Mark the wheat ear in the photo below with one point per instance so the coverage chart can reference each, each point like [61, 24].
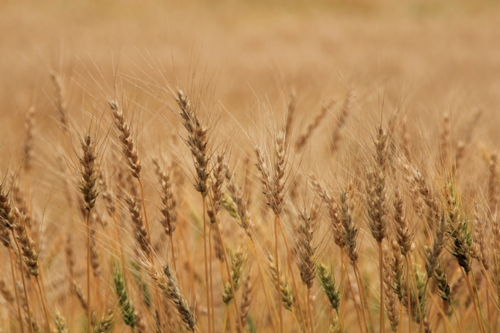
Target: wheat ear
[88, 187]
[8, 220]
[197, 143]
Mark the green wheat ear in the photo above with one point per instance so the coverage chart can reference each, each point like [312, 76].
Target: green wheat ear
[252, 326]
[237, 266]
[127, 309]
[143, 287]
[460, 235]
[105, 324]
[229, 205]
[442, 283]
[327, 282]
[61, 324]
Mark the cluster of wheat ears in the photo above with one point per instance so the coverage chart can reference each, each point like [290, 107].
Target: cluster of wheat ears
[216, 238]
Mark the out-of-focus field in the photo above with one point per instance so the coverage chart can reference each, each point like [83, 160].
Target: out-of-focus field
[427, 72]
[424, 58]
[437, 54]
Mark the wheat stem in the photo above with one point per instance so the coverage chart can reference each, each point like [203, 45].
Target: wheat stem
[172, 249]
[308, 303]
[341, 322]
[417, 296]
[231, 282]
[456, 317]
[224, 322]
[45, 311]
[381, 268]
[443, 315]
[363, 298]
[143, 199]
[473, 296]
[278, 285]
[359, 307]
[89, 310]
[408, 296]
[210, 275]
[116, 220]
[205, 253]
[296, 321]
[343, 273]
[303, 312]
[476, 293]
[267, 293]
[24, 282]
[12, 268]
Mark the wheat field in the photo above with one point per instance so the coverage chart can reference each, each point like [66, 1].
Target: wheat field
[249, 166]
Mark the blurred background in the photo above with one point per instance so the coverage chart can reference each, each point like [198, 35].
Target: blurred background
[435, 56]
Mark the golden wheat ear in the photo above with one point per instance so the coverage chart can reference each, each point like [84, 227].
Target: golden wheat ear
[311, 127]
[88, 187]
[170, 289]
